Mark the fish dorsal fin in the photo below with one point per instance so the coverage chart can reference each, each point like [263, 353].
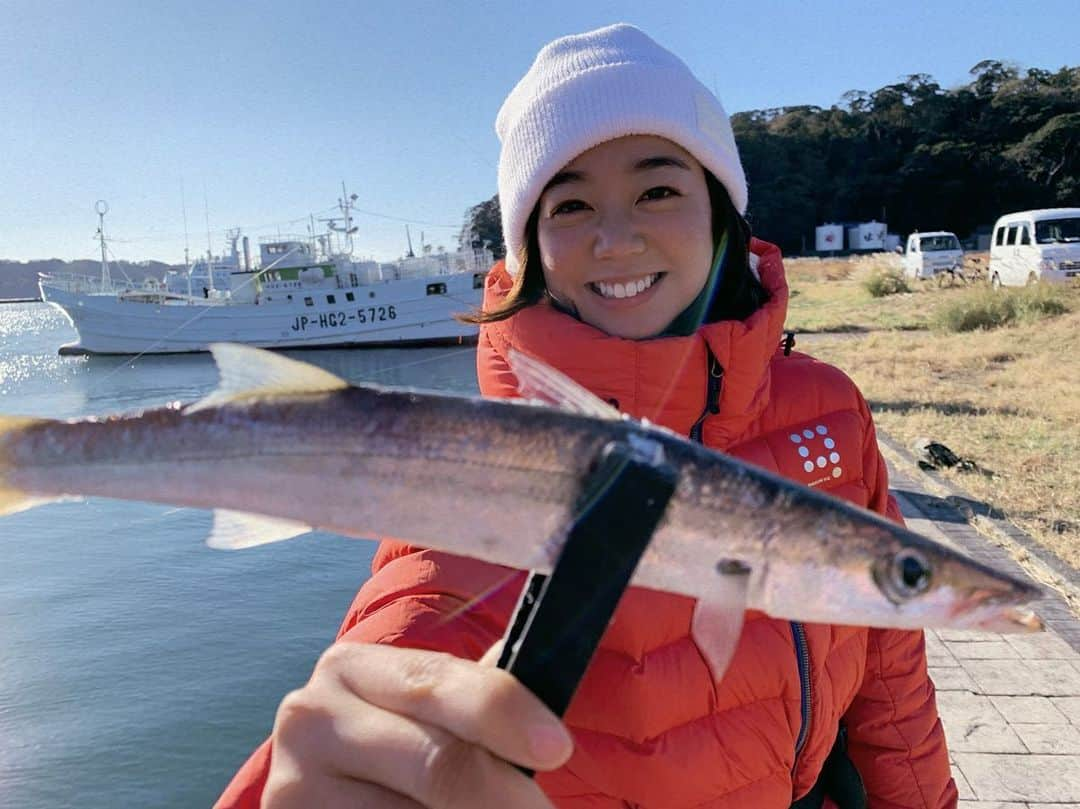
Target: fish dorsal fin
[537, 380]
[246, 370]
[233, 530]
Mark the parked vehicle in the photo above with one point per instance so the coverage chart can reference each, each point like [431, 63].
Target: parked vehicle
[929, 254]
[1033, 246]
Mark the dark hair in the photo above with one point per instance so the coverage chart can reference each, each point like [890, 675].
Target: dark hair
[738, 293]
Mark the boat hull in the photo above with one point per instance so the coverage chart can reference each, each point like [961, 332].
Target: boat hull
[391, 313]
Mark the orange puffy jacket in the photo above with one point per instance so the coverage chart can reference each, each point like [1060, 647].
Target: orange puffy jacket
[651, 727]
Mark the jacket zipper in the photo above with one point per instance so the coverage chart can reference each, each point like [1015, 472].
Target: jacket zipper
[798, 631]
[712, 396]
[802, 656]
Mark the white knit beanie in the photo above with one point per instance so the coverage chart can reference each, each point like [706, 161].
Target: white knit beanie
[589, 88]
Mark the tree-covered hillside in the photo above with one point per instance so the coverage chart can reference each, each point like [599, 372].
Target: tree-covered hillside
[921, 156]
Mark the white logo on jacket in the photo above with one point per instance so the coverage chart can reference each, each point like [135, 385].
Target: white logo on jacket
[818, 452]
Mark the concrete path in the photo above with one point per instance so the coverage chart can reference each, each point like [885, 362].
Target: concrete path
[1010, 703]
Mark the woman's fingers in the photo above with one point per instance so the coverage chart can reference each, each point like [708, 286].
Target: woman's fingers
[336, 793]
[478, 704]
[427, 764]
[426, 728]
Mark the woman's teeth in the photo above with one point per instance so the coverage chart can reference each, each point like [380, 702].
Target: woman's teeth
[625, 290]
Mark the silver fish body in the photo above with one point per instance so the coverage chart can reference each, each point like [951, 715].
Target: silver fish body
[502, 481]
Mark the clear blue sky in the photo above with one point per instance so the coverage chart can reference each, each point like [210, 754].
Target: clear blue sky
[267, 107]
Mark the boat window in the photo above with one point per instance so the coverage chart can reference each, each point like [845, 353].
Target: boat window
[478, 280]
[350, 297]
[371, 294]
[308, 302]
[331, 299]
[290, 297]
[436, 289]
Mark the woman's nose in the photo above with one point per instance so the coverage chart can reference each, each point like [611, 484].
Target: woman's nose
[617, 235]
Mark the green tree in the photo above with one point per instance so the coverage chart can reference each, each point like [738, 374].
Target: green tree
[483, 227]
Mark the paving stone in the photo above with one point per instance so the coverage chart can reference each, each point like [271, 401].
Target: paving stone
[937, 653]
[1023, 677]
[1052, 739]
[982, 650]
[963, 788]
[1031, 778]
[1029, 710]
[952, 678]
[1042, 646]
[967, 635]
[1010, 704]
[1070, 706]
[933, 642]
[972, 724]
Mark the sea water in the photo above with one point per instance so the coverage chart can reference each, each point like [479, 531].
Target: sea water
[137, 666]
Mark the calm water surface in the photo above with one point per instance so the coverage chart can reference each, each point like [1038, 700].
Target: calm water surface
[138, 667]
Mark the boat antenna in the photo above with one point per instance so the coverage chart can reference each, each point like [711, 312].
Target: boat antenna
[209, 246]
[102, 208]
[345, 205]
[408, 239]
[187, 246]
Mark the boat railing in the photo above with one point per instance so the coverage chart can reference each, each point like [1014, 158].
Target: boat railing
[82, 284]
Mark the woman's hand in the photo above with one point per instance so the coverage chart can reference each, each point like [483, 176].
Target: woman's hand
[378, 726]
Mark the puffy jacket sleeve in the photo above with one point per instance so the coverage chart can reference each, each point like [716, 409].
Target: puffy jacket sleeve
[412, 598]
[895, 737]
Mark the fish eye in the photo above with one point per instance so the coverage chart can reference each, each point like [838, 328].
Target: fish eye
[909, 573]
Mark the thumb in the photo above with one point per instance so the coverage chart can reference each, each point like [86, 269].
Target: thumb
[492, 655]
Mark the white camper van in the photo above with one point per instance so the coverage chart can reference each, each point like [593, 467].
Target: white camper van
[1031, 246]
[928, 254]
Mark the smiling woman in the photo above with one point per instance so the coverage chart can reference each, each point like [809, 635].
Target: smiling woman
[630, 269]
[625, 235]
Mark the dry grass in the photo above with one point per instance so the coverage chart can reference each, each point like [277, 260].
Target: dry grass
[830, 295]
[1007, 398]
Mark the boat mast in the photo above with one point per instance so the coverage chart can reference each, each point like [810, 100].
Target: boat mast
[209, 248]
[187, 249]
[102, 208]
[345, 205]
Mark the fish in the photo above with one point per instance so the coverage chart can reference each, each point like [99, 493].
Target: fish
[283, 447]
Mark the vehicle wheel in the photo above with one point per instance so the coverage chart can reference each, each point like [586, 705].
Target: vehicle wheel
[995, 281]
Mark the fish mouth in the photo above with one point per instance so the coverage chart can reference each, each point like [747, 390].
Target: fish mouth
[611, 290]
[956, 592]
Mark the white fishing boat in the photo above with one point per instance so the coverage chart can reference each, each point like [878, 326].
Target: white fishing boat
[304, 293]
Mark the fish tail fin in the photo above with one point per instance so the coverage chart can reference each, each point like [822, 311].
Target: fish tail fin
[13, 499]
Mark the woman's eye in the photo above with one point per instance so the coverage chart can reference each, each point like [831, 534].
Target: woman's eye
[660, 192]
[569, 206]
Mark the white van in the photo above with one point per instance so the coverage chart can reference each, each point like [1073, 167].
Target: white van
[928, 254]
[1031, 246]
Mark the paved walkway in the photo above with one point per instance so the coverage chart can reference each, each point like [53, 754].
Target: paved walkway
[1010, 703]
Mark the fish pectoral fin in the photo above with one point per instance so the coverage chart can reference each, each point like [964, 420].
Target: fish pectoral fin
[537, 380]
[715, 629]
[246, 371]
[233, 530]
